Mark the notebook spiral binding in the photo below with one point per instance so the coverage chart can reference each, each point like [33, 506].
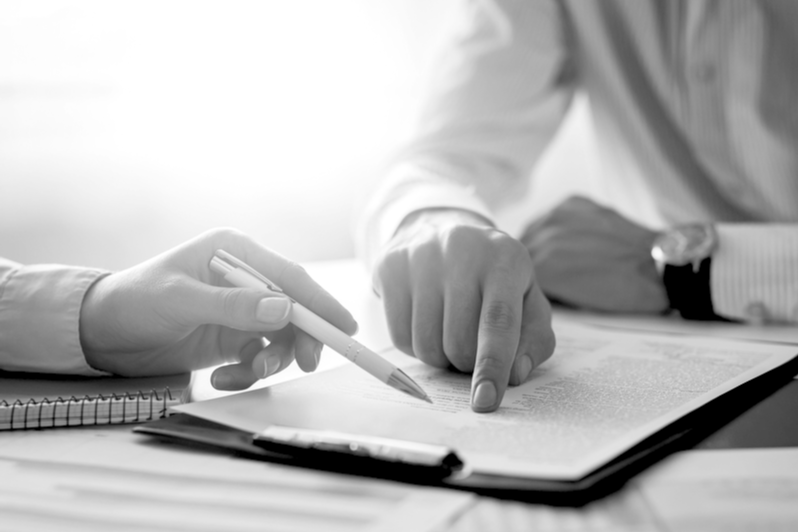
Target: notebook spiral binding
[148, 406]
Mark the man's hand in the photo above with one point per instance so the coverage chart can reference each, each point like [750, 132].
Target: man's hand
[172, 314]
[590, 257]
[458, 292]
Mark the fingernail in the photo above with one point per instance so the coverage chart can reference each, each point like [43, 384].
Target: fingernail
[271, 365]
[524, 366]
[485, 395]
[221, 381]
[273, 309]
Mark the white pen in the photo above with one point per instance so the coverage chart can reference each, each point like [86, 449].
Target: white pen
[240, 274]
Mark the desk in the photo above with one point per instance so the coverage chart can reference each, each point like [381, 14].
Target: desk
[771, 423]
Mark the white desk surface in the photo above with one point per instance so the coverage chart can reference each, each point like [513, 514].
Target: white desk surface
[632, 509]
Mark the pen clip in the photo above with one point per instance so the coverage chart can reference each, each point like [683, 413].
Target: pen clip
[233, 261]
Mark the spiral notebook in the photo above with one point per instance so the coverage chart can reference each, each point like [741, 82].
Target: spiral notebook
[33, 401]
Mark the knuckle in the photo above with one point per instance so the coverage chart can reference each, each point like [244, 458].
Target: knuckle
[426, 254]
[225, 234]
[509, 253]
[460, 237]
[498, 315]
[390, 266]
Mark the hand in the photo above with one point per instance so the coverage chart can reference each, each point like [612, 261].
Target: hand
[458, 292]
[590, 257]
[172, 314]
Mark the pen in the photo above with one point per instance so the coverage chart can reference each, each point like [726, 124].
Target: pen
[240, 274]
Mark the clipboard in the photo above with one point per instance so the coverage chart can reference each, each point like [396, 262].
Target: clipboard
[438, 466]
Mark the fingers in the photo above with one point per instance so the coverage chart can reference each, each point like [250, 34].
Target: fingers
[426, 324]
[244, 309]
[259, 362]
[393, 283]
[498, 338]
[290, 276]
[461, 294]
[276, 356]
[238, 376]
[462, 310]
[307, 350]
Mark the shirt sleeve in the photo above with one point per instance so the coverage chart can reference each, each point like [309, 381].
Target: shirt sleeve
[39, 318]
[754, 272]
[497, 97]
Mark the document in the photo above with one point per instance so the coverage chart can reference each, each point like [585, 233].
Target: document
[601, 393]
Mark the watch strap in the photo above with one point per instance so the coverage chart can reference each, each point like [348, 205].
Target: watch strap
[689, 291]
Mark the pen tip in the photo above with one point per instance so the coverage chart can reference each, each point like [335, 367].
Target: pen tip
[428, 399]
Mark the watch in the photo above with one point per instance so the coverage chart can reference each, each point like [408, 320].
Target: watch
[683, 258]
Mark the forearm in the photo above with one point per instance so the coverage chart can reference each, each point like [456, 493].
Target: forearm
[40, 318]
[754, 272]
[495, 101]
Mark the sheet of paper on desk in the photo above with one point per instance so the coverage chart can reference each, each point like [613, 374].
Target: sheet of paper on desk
[724, 490]
[600, 393]
[108, 478]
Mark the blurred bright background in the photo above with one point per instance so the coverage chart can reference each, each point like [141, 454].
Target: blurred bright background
[129, 127]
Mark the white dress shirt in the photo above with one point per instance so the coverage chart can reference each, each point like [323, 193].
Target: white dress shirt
[693, 102]
[40, 310]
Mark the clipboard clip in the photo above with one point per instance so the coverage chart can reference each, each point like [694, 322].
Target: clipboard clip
[365, 451]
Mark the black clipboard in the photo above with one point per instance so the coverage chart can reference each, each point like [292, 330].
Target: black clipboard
[447, 470]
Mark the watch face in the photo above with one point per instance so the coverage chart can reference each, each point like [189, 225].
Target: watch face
[684, 245]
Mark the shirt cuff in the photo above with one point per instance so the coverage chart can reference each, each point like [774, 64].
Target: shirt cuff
[40, 310]
[754, 272]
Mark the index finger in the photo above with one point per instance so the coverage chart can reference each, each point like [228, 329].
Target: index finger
[498, 338]
[292, 279]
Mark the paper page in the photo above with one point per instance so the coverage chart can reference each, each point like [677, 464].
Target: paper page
[600, 394]
[109, 479]
[724, 490]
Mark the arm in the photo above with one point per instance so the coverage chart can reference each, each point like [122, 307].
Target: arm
[589, 256]
[498, 95]
[457, 291]
[754, 272]
[39, 317]
[170, 314]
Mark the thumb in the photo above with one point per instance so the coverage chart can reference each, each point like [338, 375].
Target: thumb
[245, 309]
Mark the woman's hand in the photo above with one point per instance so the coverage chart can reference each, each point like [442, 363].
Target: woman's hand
[172, 314]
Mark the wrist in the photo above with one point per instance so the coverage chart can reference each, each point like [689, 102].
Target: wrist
[442, 216]
[92, 327]
[683, 257]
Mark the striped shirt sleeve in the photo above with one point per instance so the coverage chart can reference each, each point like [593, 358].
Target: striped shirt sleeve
[754, 272]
